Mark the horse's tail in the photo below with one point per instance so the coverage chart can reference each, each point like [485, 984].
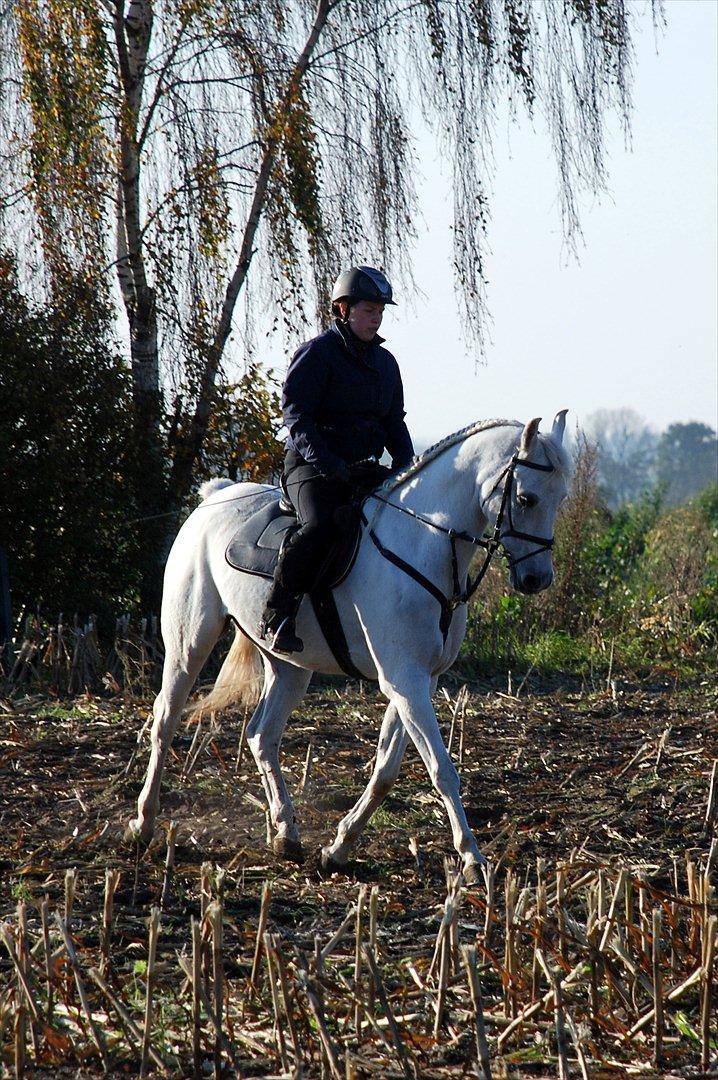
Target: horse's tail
[239, 681]
[210, 486]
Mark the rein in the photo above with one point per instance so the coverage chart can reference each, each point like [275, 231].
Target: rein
[490, 544]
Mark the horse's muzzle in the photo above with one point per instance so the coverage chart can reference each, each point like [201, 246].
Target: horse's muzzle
[530, 582]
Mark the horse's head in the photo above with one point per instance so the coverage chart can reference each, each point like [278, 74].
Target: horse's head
[523, 504]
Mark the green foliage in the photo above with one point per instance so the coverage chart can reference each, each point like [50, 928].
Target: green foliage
[214, 210]
[613, 554]
[242, 435]
[20, 891]
[686, 1029]
[298, 169]
[207, 117]
[705, 600]
[69, 513]
[707, 503]
[637, 588]
[65, 59]
[680, 578]
[179, 155]
[66, 434]
[556, 650]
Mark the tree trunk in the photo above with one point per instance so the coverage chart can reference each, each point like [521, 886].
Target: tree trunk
[150, 472]
[132, 38]
[189, 450]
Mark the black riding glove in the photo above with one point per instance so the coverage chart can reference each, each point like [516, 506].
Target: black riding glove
[367, 475]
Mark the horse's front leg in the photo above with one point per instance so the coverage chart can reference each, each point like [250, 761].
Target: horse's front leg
[410, 693]
[284, 687]
[389, 755]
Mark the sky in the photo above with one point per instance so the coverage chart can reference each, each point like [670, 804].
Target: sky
[633, 322]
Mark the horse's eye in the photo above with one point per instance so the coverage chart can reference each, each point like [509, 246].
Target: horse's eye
[527, 500]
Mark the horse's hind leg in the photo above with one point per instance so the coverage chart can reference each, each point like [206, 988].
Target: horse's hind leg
[186, 649]
[393, 738]
[284, 687]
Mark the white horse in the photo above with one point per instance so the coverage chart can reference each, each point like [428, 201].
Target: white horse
[432, 515]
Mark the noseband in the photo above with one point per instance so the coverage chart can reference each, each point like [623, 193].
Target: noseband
[490, 544]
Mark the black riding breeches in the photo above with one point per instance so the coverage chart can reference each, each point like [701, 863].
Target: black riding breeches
[316, 500]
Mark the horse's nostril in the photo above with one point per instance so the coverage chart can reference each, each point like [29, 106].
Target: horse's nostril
[531, 583]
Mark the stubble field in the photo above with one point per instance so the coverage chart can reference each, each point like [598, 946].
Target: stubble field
[590, 803]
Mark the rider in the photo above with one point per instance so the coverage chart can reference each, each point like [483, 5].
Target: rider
[343, 403]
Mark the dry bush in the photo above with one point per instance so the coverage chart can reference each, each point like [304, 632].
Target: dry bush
[570, 604]
[679, 569]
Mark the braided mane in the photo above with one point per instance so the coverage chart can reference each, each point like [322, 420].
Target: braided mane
[432, 452]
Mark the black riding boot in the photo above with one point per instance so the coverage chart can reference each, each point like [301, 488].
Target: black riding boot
[277, 625]
[305, 550]
[278, 622]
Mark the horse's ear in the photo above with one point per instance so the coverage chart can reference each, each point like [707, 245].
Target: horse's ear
[559, 426]
[529, 434]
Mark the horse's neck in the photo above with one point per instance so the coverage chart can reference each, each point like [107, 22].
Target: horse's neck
[448, 489]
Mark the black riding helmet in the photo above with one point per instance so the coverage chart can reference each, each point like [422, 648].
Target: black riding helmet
[361, 283]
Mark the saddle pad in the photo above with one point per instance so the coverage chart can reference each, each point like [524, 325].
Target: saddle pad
[255, 546]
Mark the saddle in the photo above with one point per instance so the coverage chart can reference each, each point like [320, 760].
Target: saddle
[270, 520]
[255, 546]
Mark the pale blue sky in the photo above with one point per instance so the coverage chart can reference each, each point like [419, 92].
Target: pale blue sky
[634, 322]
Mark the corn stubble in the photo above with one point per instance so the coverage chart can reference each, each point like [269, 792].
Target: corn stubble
[584, 964]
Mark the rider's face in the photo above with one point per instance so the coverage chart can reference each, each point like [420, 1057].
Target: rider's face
[365, 319]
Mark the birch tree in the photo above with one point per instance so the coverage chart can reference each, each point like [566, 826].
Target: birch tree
[181, 155]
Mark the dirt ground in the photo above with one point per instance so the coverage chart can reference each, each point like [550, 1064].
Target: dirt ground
[586, 777]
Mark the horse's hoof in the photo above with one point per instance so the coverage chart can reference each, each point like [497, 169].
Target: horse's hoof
[133, 838]
[286, 848]
[330, 865]
[473, 873]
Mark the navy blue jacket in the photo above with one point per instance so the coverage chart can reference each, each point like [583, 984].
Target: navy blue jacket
[343, 401]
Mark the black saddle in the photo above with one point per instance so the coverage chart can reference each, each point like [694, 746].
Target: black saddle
[255, 546]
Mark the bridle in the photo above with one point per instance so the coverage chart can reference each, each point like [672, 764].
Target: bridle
[490, 544]
[543, 543]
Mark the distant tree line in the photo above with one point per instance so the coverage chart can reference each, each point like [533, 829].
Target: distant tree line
[633, 460]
